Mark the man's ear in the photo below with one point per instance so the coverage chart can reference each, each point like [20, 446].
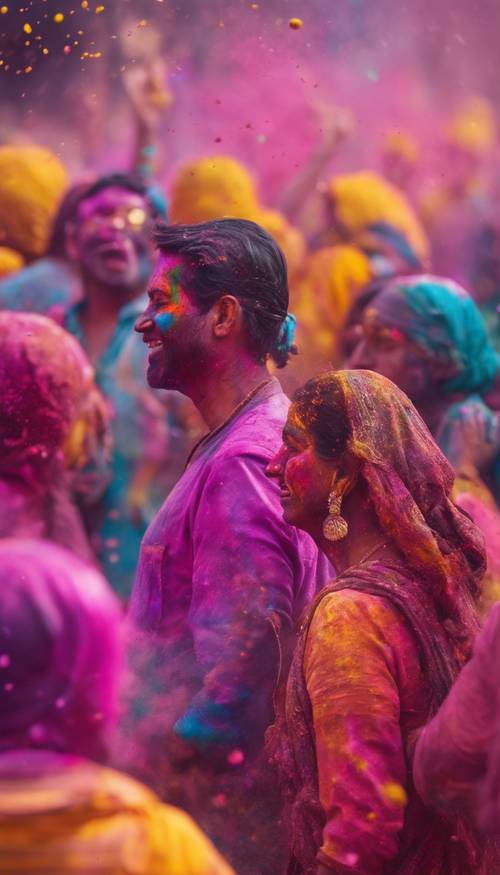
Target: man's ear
[226, 313]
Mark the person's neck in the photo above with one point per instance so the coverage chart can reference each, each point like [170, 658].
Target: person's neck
[99, 316]
[364, 540]
[224, 388]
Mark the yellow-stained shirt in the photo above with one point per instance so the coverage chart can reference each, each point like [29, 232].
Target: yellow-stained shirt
[367, 694]
[68, 815]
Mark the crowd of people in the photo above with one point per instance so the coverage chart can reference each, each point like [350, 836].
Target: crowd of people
[241, 633]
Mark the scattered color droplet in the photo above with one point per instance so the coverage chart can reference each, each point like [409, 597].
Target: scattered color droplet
[4, 9]
[295, 23]
[58, 17]
[27, 28]
[99, 9]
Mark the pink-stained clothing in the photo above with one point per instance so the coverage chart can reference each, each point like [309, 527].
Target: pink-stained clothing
[221, 583]
[217, 552]
[457, 754]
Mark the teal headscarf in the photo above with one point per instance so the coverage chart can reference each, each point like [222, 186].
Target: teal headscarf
[439, 316]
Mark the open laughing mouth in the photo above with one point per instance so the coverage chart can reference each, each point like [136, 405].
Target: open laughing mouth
[153, 344]
[113, 256]
[284, 493]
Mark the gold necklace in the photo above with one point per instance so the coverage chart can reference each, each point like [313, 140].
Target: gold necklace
[228, 419]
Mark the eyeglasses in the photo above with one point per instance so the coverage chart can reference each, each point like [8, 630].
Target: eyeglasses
[122, 218]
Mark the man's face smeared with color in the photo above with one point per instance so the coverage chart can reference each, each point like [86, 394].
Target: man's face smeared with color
[172, 328]
[112, 239]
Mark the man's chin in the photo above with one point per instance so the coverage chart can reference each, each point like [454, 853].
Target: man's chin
[159, 378]
[155, 376]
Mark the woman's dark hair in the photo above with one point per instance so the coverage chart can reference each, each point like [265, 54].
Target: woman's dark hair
[320, 407]
[235, 257]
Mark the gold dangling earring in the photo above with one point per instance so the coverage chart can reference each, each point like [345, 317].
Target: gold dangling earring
[335, 527]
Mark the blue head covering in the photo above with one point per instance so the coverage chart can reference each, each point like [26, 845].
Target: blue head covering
[440, 317]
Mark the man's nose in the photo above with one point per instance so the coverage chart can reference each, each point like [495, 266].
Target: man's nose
[143, 323]
[275, 466]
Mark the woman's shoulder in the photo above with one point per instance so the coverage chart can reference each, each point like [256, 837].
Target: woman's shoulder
[352, 608]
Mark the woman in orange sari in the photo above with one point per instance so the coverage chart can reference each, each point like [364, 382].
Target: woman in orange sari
[381, 646]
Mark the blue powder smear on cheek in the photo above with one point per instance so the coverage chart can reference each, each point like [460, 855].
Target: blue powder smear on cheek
[164, 321]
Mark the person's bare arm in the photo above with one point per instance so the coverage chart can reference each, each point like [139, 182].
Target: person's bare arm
[335, 126]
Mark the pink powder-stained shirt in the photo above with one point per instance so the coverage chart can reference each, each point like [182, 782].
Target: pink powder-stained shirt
[367, 694]
[221, 576]
[459, 748]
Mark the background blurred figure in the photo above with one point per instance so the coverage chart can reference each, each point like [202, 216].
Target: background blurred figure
[60, 810]
[110, 240]
[452, 210]
[93, 282]
[400, 160]
[51, 283]
[456, 765]
[52, 428]
[221, 187]
[485, 272]
[426, 334]
[32, 182]
[366, 211]
[330, 282]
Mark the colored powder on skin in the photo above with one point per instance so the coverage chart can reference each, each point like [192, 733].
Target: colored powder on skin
[175, 283]
[164, 321]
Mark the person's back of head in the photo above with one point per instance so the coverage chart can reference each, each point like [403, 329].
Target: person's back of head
[60, 661]
[59, 650]
[45, 378]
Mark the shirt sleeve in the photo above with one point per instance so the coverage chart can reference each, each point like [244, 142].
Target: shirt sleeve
[452, 751]
[245, 565]
[351, 669]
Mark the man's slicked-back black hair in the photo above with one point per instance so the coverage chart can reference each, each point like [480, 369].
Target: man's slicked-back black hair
[234, 257]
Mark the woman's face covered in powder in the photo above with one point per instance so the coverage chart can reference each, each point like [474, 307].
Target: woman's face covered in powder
[385, 349]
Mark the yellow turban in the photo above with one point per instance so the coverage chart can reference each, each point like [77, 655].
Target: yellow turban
[473, 127]
[332, 278]
[365, 198]
[10, 261]
[221, 187]
[211, 189]
[32, 182]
